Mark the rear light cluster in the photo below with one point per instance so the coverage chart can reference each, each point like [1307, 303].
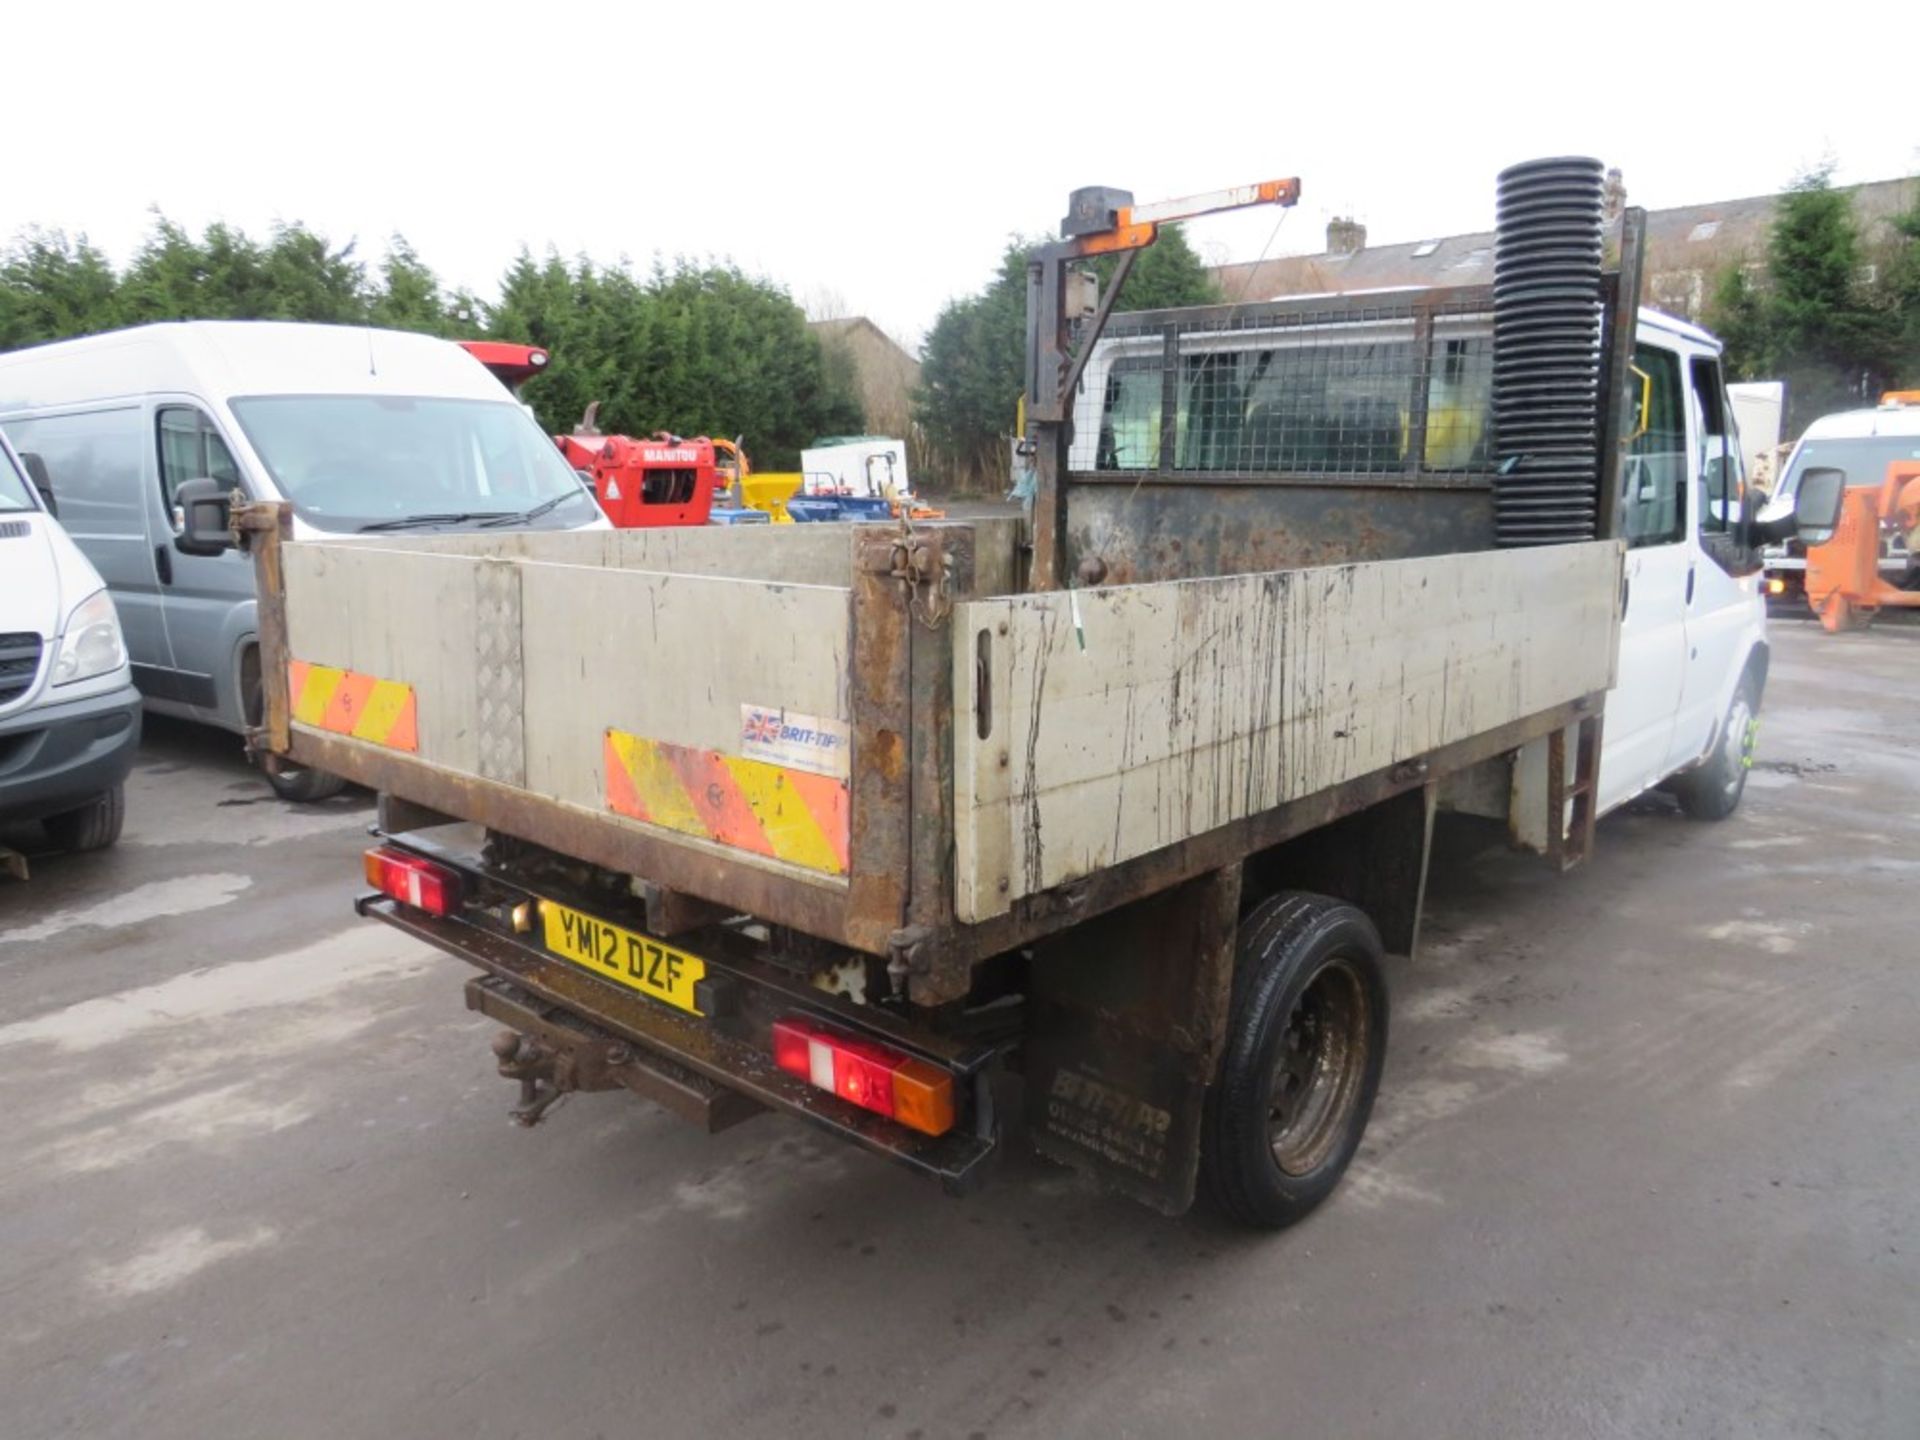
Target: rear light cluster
[865, 1073]
[413, 881]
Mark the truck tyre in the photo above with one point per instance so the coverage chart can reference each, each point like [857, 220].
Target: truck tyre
[1712, 789]
[94, 826]
[1306, 1040]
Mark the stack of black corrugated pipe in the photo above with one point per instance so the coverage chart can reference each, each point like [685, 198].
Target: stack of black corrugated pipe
[1546, 352]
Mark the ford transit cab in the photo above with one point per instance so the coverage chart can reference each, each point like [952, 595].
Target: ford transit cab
[1693, 645]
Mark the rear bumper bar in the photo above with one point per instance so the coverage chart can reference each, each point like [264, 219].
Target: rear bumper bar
[544, 996]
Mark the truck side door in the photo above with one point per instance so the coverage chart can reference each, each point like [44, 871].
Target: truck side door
[1638, 734]
[1724, 608]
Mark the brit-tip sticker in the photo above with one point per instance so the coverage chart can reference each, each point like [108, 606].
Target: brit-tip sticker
[802, 742]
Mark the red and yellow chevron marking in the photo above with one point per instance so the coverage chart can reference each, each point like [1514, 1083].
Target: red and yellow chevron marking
[768, 809]
[349, 703]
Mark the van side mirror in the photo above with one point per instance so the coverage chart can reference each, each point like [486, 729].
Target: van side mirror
[1816, 505]
[206, 510]
[1816, 509]
[42, 481]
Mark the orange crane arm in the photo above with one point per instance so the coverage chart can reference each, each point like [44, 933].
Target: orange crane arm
[1137, 226]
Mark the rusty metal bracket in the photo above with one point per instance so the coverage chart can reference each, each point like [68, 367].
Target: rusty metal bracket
[1571, 808]
[904, 956]
[259, 517]
[396, 816]
[254, 740]
[1623, 316]
[261, 528]
[1094, 330]
[925, 572]
[673, 912]
[881, 719]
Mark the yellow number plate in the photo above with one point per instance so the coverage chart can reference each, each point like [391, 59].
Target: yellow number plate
[625, 957]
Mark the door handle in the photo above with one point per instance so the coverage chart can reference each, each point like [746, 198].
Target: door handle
[163, 564]
[1689, 584]
[1626, 590]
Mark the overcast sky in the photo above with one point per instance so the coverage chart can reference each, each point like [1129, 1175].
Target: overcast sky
[881, 154]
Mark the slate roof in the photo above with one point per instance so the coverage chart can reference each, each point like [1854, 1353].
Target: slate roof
[1686, 238]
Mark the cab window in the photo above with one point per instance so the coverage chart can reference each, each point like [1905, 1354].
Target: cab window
[190, 449]
[1130, 416]
[1652, 509]
[1306, 409]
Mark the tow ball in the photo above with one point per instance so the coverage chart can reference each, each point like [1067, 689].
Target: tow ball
[537, 1069]
[548, 1073]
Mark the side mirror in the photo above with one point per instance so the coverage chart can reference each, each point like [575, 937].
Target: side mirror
[1816, 509]
[205, 508]
[1816, 505]
[43, 482]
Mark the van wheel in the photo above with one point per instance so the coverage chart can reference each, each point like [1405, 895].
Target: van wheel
[1712, 790]
[1306, 1041]
[289, 781]
[299, 782]
[94, 826]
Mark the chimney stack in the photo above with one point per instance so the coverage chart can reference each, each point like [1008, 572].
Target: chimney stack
[1345, 236]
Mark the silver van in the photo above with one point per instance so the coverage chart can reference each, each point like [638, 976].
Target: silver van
[362, 431]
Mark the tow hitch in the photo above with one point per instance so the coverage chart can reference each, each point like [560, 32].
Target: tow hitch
[540, 1089]
[552, 1054]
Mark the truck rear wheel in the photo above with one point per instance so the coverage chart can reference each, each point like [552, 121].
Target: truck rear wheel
[94, 826]
[1306, 1041]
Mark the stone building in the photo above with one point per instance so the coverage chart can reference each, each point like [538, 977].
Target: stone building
[887, 373]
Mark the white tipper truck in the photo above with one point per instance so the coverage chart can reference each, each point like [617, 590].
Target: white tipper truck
[1115, 812]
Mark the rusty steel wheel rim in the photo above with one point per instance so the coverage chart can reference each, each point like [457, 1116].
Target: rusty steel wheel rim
[1318, 1068]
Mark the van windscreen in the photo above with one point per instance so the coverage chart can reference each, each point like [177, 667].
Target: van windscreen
[1864, 457]
[348, 461]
